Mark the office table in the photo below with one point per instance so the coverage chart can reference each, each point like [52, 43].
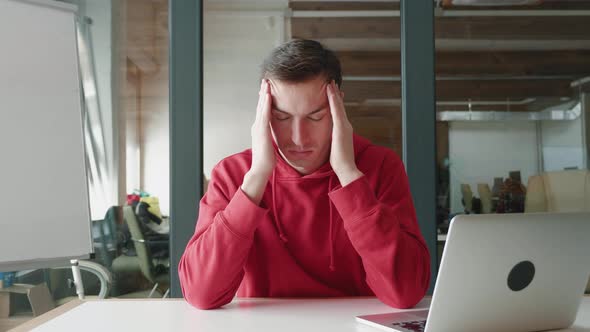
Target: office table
[261, 315]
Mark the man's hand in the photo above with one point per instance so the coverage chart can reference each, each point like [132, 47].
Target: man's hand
[342, 153]
[263, 155]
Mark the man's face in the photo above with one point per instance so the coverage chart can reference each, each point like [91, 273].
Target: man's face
[301, 123]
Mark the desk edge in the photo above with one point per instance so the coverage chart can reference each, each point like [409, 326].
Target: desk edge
[51, 314]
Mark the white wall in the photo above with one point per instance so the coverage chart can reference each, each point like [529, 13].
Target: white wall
[156, 137]
[480, 151]
[562, 144]
[235, 45]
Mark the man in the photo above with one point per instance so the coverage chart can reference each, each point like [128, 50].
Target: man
[312, 210]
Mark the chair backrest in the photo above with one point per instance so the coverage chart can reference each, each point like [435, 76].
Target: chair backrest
[467, 195]
[485, 194]
[104, 235]
[141, 247]
[566, 191]
[110, 226]
[535, 200]
[561, 191]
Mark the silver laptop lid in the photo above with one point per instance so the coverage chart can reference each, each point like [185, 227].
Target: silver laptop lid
[511, 272]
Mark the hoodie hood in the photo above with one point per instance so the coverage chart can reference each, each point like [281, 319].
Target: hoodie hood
[284, 171]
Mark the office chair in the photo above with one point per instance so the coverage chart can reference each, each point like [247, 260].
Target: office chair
[43, 296]
[97, 270]
[105, 236]
[467, 195]
[154, 270]
[485, 194]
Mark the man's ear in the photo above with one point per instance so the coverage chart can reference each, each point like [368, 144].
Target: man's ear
[342, 94]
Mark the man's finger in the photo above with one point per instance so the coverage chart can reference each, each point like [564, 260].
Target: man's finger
[261, 93]
[331, 101]
[338, 97]
[336, 107]
[259, 97]
[266, 109]
[263, 88]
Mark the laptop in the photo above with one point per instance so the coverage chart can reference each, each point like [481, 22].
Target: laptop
[504, 272]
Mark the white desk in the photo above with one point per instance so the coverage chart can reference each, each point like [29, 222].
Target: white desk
[261, 315]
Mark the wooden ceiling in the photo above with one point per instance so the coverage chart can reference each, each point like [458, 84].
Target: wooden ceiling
[471, 63]
[394, 5]
[484, 27]
[483, 53]
[512, 58]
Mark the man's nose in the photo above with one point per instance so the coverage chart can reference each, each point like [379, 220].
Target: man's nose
[299, 133]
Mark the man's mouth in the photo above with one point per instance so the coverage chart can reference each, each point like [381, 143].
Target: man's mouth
[300, 153]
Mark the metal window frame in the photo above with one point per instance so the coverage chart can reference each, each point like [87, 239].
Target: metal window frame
[186, 121]
[186, 126]
[419, 116]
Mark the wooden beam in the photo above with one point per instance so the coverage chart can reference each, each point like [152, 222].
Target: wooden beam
[514, 28]
[514, 63]
[486, 28]
[512, 89]
[345, 27]
[358, 91]
[383, 129]
[343, 5]
[550, 5]
[373, 111]
[574, 63]
[370, 63]
[392, 5]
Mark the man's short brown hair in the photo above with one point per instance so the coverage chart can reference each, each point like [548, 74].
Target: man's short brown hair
[300, 60]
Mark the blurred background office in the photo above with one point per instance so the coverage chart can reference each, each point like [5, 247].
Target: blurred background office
[512, 113]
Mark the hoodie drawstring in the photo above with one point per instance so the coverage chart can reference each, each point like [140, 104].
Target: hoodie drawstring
[282, 235]
[274, 208]
[332, 265]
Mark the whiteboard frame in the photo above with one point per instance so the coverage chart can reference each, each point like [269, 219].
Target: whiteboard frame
[61, 261]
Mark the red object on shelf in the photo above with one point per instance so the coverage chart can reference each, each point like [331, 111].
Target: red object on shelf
[132, 198]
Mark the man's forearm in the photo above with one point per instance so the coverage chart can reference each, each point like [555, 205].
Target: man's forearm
[254, 185]
[346, 177]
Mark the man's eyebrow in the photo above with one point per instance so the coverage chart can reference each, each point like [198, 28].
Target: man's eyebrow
[321, 108]
[280, 111]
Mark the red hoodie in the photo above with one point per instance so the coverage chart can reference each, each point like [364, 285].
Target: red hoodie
[310, 237]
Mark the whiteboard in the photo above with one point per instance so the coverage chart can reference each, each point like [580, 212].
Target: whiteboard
[44, 209]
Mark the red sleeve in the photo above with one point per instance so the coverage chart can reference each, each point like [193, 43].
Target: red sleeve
[212, 266]
[382, 227]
